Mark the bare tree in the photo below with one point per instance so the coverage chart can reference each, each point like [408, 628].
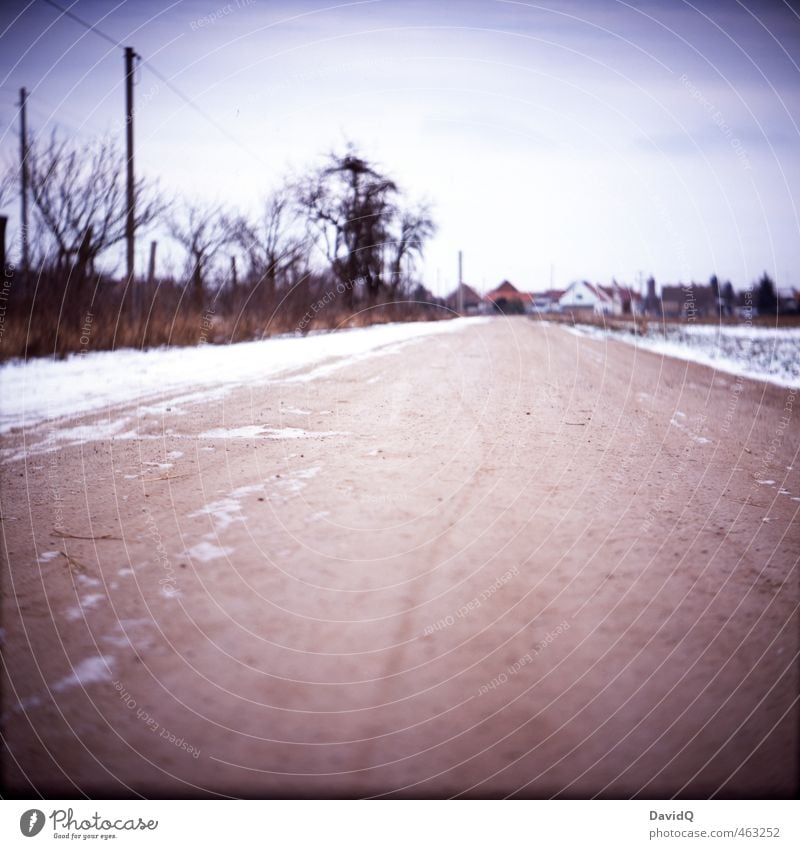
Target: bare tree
[349, 206]
[202, 231]
[9, 186]
[414, 227]
[274, 244]
[79, 199]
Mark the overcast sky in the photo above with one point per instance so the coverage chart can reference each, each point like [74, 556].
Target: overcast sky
[578, 139]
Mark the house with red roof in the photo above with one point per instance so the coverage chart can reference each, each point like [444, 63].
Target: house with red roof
[507, 298]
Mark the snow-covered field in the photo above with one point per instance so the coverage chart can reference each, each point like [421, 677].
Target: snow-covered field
[756, 352]
[44, 389]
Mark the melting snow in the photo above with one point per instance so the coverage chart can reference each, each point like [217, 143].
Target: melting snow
[759, 353]
[89, 671]
[47, 556]
[87, 602]
[42, 389]
[206, 552]
[250, 431]
[246, 432]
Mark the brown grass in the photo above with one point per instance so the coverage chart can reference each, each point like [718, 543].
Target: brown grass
[53, 317]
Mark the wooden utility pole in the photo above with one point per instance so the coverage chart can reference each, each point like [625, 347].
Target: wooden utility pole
[151, 268]
[23, 158]
[3, 221]
[129, 228]
[460, 296]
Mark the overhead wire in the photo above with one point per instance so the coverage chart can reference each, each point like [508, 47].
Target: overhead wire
[162, 77]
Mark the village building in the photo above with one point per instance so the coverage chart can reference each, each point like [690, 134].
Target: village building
[507, 298]
[585, 297]
[470, 301]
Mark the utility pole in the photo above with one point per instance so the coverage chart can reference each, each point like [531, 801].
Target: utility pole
[151, 268]
[129, 230]
[23, 156]
[3, 222]
[460, 298]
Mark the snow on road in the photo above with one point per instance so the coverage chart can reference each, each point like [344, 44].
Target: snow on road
[43, 389]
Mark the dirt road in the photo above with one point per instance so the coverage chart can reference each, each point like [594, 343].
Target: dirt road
[504, 561]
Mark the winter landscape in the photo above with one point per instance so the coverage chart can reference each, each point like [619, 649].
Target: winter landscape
[327, 471]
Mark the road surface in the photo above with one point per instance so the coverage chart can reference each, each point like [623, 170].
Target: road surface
[506, 561]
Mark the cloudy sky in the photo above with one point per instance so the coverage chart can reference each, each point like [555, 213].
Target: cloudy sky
[574, 139]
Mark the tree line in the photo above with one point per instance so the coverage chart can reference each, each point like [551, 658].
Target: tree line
[344, 227]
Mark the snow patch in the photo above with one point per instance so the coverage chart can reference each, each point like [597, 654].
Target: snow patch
[64, 437]
[206, 552]
[246, 432]
[251, 431]
[87, 602]
[758, 353]
[39, 390]
[92, 670]
[47, 556]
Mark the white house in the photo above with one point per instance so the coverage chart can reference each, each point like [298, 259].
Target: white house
[603, 300]
[583, 295]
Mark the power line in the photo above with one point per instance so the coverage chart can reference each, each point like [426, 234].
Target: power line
[214, 123]
[83, 23]
[156, 73]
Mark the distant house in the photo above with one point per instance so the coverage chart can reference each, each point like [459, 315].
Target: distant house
[423, 295]
[788, 300]
[624, 300]
[547, 301]
[688, 302]
[583, 296]
[507, 298]
[471, 302]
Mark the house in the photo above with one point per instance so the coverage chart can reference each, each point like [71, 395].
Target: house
[688, 301]
[471, 302]
[788, 300]
[507, 298]
[423, 295]
[546, 301]
[624, 300]
[583, 296]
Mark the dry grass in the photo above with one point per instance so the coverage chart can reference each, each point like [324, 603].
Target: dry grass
[53, 317]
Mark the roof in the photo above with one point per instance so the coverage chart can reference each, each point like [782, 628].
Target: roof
[624, 293]
[597, 291]
[508, 291]
[468, 293]
[549, 294]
